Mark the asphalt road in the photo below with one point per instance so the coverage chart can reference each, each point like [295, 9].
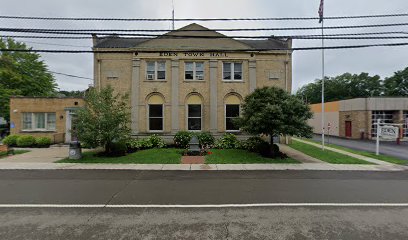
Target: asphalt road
[110, 188]
[386, 147]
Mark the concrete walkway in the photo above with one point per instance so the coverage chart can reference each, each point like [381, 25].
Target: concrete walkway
[368, 159]
[38, 155]
[295, 154]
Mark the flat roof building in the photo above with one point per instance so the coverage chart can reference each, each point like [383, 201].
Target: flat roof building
[355, 118]
[52, 117]
[191, 79]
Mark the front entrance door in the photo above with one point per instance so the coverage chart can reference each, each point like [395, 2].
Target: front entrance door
[348, 128]
[70, 126]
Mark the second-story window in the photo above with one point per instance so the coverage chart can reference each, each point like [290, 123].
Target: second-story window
[232, 71]
[194, 71]
[156, 70]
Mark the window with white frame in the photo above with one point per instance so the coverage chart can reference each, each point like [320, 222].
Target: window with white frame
[232, 71]
[231, 113]
[39, 121]
[194, 71]
[194, 117]
[156, 70]
[155, 117]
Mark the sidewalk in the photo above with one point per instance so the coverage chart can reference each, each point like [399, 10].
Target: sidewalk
[192, 167]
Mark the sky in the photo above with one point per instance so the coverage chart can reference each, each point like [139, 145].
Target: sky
[383, 61]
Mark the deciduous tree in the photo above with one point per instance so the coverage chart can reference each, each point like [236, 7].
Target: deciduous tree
[275, 112]
[104, 120]
[22, 73]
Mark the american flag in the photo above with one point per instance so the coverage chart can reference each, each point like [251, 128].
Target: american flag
[321, 11]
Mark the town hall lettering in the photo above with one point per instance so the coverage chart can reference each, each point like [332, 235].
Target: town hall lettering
[193, 54]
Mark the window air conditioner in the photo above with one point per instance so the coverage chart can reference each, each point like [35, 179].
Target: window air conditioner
[200, 77]
[150, 76]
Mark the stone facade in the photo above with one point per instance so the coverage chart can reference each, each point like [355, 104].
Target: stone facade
[127, 73]
[59, 107]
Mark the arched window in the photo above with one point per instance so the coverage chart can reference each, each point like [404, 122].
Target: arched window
[155, 113]
[194, 113]
[232, 111]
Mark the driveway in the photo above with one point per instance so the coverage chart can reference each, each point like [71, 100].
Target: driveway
[386, 148]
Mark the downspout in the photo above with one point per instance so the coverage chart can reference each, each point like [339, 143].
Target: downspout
[286, 84]
[99, 74]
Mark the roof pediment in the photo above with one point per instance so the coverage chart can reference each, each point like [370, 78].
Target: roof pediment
[193, 37]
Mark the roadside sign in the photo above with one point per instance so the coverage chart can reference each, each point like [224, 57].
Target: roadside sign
[389, 132]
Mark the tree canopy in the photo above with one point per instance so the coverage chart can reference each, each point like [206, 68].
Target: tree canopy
[275, 112]
[22, 73]
[397, 85]
[347, 86]
[105, 119]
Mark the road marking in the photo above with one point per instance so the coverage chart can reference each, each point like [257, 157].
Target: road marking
[204, 205]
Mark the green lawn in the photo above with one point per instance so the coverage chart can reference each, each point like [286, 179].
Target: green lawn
[149, 156]
[381, 157]
[222, 156]
[326, 155]
[4, 154]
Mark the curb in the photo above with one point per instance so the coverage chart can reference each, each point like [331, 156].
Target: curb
[201, 167]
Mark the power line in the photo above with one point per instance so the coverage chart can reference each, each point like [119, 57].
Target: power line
[202, 19]
[96, 31]
[208, 50]
[185, 36]
[70, 75]
[56, 44]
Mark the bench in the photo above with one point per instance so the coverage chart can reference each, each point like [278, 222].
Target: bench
[6, 149]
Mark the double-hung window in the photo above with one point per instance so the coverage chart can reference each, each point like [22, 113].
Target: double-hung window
[39, 121]
[156, 117]
[194, 117]
[231, 113]
[156, 70]
[232, 71]
[194, 71]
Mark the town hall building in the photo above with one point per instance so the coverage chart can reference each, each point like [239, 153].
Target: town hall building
[192, 79]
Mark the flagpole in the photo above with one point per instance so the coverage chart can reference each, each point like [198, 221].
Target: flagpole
[323, 122]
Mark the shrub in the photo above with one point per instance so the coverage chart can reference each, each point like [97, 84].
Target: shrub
[118, 149]
[155, 141]
[206, 139]
[11, 140]
[253, 144]
[182, 138]
[25, 141]
[43, 141]
[152, 141]
[228, 141]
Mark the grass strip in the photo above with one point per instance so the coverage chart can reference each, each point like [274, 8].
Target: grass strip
[233, 156]
[381, 157]
[4, 154]
[148, 156]
[326, 155]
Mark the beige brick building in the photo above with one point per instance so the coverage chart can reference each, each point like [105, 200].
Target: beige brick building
[189, 79]
[40, 116]
[355, 118]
